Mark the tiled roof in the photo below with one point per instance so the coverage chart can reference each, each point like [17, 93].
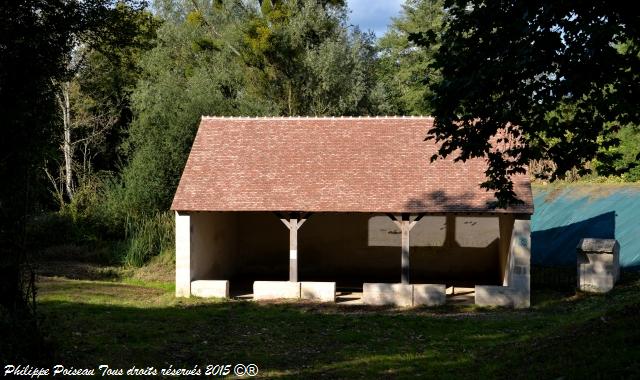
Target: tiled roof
[366, 164]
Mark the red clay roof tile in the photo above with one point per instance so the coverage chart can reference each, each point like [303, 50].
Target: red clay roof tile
[366, 164]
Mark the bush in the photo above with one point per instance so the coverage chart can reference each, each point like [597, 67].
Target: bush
[148, 237]
[79, 222]
[99, 220]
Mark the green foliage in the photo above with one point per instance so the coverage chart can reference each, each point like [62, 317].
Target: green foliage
[340, 78]
[148, 237]
[179, 84]
[34, 38]
[37, 38]
[302, 56]
[514, 63]
[104, 81]
[86, 221]
[404, 67]
[95, 219]
[289, 57]
[33, 41]
[623, 160]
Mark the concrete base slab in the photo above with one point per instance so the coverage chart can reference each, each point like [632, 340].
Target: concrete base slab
[429, 294]
[210, 288]
[269, 290]
[387, 294]
[319, 291]
[501, 296]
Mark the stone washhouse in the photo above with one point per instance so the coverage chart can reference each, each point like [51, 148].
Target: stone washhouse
[316, 208]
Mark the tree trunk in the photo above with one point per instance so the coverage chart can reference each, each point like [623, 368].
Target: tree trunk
[66, 144]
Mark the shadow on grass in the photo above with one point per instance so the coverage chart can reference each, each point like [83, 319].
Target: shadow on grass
[283, 340]
[94, 323]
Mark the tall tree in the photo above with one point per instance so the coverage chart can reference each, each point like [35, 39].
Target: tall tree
[193, 71]
[553, 73]
[404, 67]
[33, 42]
[304, 58]
[36, 37]
[231, 58]
[93, 97]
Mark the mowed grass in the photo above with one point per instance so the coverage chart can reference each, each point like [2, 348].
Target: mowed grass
[126, 323]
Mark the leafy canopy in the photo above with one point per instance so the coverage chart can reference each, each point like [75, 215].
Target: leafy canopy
[565, 72]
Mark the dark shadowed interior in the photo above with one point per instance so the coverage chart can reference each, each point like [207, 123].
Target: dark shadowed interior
[348, 248]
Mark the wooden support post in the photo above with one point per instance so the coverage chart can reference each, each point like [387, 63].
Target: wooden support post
[405, 228]
[293, 250]
[405, 223]
[293, 223]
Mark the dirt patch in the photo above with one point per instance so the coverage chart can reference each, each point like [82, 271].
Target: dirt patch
[78, 270]
[445, 311]
[98, 253]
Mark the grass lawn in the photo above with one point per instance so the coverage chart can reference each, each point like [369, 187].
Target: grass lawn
[126, 322]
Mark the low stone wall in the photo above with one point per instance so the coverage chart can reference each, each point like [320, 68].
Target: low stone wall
[404, 295]
[270, 290]
[387, 294]
[501, 296]
[210, 288]
[429, 294]
[318, 291]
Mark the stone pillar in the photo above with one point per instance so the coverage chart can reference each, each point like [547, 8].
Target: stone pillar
[598, 264]
[183, 255]
[519, 278]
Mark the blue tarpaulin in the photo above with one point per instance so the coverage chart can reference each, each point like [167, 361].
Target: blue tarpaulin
[564, 215]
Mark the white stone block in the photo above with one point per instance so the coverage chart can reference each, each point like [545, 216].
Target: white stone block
[429, 294]
[387, 294]
[488, 295]
[210, 288]
[270, 290]
[320, 291]
[596, 283]
[598, 264]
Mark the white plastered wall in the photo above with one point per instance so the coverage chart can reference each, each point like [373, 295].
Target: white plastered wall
[205, 248]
